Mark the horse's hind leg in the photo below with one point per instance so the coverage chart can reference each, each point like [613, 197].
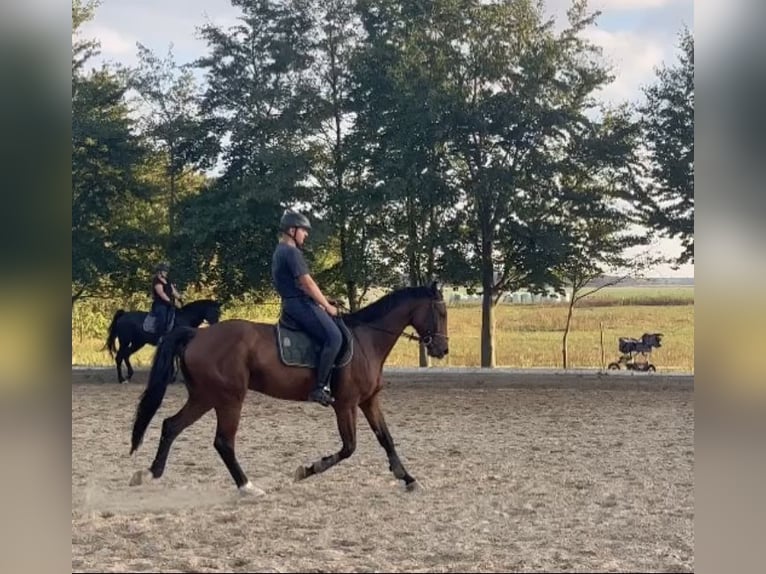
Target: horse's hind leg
[374, 414]
[346, 419]
[119, 358]
[226, 431]
[171, 428]
[133, 349]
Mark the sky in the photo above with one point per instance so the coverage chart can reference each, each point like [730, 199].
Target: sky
[637, 36]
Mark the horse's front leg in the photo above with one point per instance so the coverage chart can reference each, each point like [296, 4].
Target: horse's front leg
[134, 348]
[120, 357]
[346, 418]
[118, 361]
[374, 414]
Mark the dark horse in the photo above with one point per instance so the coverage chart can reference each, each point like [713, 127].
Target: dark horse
[222, 362]
[128, 328]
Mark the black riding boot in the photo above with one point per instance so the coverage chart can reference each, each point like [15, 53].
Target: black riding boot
[321, 391]
[321, 394]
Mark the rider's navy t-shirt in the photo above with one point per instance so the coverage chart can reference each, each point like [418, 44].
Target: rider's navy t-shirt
[287, 265]
[166, 287]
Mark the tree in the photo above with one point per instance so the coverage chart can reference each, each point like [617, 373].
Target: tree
[82, 50]
[399, 115]
[170, 118]
[668, 116]
[601, 176]
[518, 90]
[401, 118]
[343, 197]
[257, 103]
[106, 161]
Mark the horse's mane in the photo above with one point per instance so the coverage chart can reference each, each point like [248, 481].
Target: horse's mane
[200, 303]
[381, 307]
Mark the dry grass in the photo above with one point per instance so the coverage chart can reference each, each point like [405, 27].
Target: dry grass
[525, 335]
[531, 336]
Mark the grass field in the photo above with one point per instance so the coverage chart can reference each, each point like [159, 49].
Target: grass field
[525, 335]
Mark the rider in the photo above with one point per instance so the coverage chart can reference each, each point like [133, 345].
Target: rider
[164, 295]
[303, 301]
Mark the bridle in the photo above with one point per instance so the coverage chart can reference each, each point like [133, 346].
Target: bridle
[430, 333]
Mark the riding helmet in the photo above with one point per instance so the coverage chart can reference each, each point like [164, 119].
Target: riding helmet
[294, 219]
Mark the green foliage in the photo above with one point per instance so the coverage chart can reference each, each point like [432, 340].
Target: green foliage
[168, 100]
[669, 131]
[601, 166]
[342, 195]
[257, 101]
[106, 158]
[452, 138]
[401, 116]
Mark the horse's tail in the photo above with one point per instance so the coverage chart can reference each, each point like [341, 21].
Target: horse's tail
[112, 335]
[163, 367]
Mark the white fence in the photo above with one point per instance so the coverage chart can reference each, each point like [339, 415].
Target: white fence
[515, 298]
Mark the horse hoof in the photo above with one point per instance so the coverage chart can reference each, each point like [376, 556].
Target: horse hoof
[412, 486]
[249, 489]
[301, 473]
[140, 477]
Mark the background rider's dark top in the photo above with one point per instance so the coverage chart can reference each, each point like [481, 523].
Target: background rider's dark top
[167, 288]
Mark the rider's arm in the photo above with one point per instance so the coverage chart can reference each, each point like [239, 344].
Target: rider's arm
[158, 289]
[308, 284]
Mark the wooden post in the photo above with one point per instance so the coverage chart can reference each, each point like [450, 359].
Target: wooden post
[601, 328]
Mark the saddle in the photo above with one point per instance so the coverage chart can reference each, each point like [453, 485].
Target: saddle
[150, 323]
[298, 349]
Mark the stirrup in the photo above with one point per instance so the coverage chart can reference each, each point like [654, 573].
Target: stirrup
[322, 396]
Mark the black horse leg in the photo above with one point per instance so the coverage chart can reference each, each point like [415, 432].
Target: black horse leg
[226, 431]
[171, 428]
[119, 358]
[374, 414]
[346, 419]
[134, 348]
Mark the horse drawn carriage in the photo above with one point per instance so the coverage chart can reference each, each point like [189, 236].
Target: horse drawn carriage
[636, 352]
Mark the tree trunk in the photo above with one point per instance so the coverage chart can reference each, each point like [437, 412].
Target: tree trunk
[171, 206]
[487, 284]
[425, 360]
[487, 331]
[564, 350]
[76, 296]
[352, 294]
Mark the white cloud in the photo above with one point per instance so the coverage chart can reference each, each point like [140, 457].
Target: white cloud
[119, 24]
[114, 44]
[558, 8]
[633, 58]
[630, 4]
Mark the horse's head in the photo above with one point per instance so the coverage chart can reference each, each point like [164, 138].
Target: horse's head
[213, 312]
[430, 321]
[194, 313]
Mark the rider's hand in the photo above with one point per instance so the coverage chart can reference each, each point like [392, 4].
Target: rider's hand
[332, 310]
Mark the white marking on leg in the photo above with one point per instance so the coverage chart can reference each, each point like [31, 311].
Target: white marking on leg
[141, 477]
[250, 490]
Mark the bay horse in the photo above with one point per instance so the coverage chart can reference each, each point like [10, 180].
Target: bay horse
[128, 328]
[221, 363]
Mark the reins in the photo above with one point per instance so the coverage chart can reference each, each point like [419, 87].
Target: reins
[412, 337]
